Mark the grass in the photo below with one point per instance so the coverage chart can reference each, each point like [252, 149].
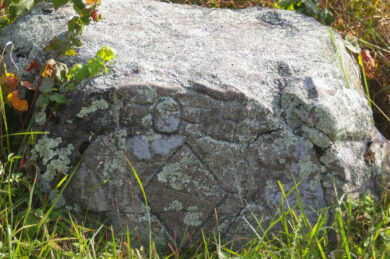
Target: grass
[31, 227]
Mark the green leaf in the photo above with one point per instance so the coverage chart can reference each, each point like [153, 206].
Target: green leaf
[58, 98]
[75, 28]
[288, 4]
[60, 71]
[58, 3]
[325, 17]
[61, 182]
[70, 52]
[309, 8]
[17, 8]
[70, 87]
[78, 5]
[106, 53]
[78, 72]
[32, 140]
[95, 66]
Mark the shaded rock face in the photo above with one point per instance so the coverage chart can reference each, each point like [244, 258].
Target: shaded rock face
[212, 108]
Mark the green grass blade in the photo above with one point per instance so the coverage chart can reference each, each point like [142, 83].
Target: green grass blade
[146, 202]
[360, 59]
[339, 57]
[5, 121]
[58, 196]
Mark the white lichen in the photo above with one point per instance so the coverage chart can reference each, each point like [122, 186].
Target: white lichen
[96, 105]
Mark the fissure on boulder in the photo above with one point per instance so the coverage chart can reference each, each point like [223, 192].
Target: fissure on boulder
[212, 107]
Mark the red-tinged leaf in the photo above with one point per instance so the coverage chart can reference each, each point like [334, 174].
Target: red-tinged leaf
[11, 82]
[17, 103]
[32, 66]
[3, 5]
[49, 47]
[369, 63]
[94, 15]
[28, 85]
[23, 162]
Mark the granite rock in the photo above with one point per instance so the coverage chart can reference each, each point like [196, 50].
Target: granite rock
[212, 108]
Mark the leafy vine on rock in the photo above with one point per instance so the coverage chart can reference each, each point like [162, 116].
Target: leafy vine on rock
[54, 79]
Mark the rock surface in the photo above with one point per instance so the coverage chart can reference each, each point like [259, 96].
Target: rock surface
[212, 107]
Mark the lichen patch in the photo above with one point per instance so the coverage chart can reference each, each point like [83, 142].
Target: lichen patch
[96, 105]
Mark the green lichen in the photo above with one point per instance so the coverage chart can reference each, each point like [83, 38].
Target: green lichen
[193, 208]
[144, 213]
[116, 107]
[171, 175]
[327, 123]
[121, 136]
[159, 238]
[167, 104]
[287, 140]
[53, 199]
[147, 121]
[174, 206]
[112, 156]
[176, 175]
[193, 129]
[317, 137]
[58, 165]
[40, 118]
[96, 105]
[117, 164]
[45, 146]
[55, 160]
[149, 136]
[307, 167]
[148, 92]
[193, 218]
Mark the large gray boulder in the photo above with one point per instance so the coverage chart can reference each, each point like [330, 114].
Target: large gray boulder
[212, 107]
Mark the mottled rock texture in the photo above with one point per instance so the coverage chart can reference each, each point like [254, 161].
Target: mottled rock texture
[212, 107]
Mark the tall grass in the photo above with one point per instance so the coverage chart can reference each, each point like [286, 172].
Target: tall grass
[361, 229]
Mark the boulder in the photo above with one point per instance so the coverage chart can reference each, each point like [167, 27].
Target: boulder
[212, 108]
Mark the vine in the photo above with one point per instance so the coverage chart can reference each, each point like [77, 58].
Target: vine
[55, 80]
